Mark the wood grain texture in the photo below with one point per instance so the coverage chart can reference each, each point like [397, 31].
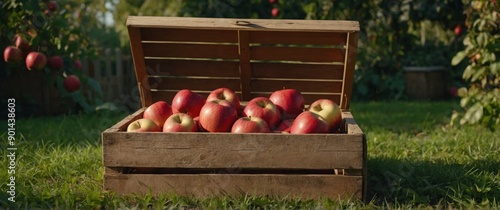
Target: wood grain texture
[140, 67]
[299, 38]
[174, 50]
[205, 150]
[245, 68]
[350, 62]
[215, 185]
[294, 71]
[200, 68]
[243, 24]
[189, 35]
[303, 54]
[207, 84]
[260, 85]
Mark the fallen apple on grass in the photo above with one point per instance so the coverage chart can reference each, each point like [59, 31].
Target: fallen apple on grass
[250, 125]
[158, 112]
[143, 125]
[186, 101]
[309, 122]
[218, 116]
[329, 110]
[264, 108]
[180, 122]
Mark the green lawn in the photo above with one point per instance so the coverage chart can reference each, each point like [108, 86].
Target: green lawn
[414, 161]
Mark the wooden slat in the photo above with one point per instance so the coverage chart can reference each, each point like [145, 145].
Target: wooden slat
[350, 62]
[304, 54]
[302, 71]
[208, 84]
[192, 68]
[302, 86]
[140, 67]
[189, 35]
[308, 98]
[302, 38]
[245, 69]
[236, 185]
[243, 24]
[256, 151]
[169, 95]
[190, 50]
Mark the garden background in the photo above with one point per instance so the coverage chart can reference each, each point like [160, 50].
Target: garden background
[440, 152]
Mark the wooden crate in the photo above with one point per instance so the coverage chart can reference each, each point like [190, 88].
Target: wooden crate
[254, 58]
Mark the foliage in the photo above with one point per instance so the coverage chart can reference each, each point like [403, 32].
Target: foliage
[64, 32]
[481, 99]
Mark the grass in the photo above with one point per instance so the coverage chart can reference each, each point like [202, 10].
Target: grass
[414, 161]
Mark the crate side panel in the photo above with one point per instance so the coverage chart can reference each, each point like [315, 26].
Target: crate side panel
[300, 38]
[209, 185]
[188, 35]
[309, 98]
[197, 68]
[254, 151]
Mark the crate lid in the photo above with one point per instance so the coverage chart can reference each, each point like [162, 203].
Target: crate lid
[254, 57]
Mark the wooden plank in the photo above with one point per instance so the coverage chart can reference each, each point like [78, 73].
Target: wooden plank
[174, 50]
[304, 54]
[204, 83]
[257, 151]
[293, 70]
[298, 37]
[140, 67]
[200, 68]
[261, 85]
[245, 69]
[123, 124]
[309, 98]
[243, 24]
[189, 35]
[350, 63]
[236, 185]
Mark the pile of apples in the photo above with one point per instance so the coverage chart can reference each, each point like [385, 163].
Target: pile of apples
[221, 111]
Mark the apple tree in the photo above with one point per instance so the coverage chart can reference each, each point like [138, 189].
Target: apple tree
[481, 99]
[56, 30]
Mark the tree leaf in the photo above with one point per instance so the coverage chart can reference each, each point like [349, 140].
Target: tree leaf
[458, 58]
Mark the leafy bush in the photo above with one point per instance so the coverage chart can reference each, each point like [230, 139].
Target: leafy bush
[481, 99]
[51, 29]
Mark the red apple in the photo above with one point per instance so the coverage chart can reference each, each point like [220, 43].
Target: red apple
[198, 124]
[309, 122]
[284, 126]
[53, 6]
[272, 1]
[185, 101]
[275, 11]
[12, 54]
[453, 91]
[71, 83]
[78, 65]
[225, 94]
[22, 43]
[158, 112]
[458, 30]
[36, 60]
[264, 108]
[250, 125]
[218, 116]
[55, 62]
[180, 122]
[289, 101]
[143, 125]
[329, 110]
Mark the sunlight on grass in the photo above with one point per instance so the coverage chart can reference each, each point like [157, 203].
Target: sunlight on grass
[414, 161]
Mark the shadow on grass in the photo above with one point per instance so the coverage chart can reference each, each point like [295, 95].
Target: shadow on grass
[420, 182]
